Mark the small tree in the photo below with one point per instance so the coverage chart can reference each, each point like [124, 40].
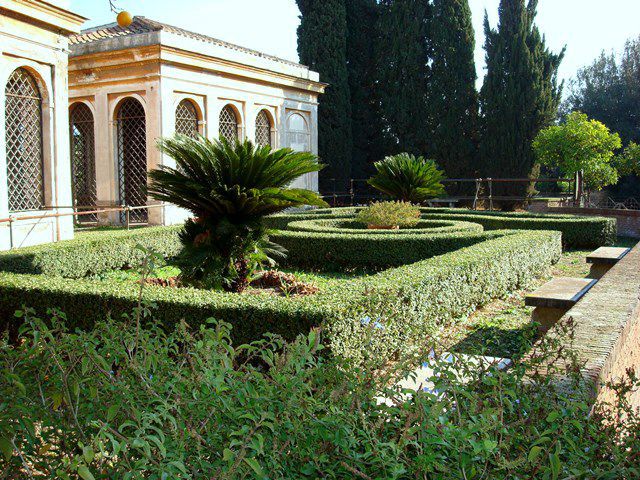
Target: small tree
[229, 189]
[628, 161]
[408, 178]
[580, 144]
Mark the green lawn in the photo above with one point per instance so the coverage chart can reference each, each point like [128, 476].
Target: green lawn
[503, 328]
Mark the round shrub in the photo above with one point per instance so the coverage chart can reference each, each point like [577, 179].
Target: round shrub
[389, 215]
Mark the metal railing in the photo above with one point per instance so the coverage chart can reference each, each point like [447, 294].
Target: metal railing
[483, 191]
[77, 212]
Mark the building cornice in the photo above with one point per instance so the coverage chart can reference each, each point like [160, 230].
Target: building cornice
[171, 56]
[43, 14]
[198, 61]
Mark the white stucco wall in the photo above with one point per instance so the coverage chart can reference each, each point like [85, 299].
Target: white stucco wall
[44, 53]
[211, 93]
[162, 69]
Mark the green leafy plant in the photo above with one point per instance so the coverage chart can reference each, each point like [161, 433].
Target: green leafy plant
[408, 178]
[628, 161]
[580, 144]
[229, 188]
[123, 402]
[389, 214]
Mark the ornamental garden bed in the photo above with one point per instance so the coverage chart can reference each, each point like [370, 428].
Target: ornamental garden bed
[379, 293]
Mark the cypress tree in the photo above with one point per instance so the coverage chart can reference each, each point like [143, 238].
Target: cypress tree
[367, 127]
[520, 94]
[453, 99]
[322, 45]
[404, 74]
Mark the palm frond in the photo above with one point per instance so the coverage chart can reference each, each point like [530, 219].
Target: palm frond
[408, 178]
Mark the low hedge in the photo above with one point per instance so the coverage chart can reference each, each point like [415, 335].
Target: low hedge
[577, 231]
[345, 225]
[405, 303]
[91, 253]
[338, 251]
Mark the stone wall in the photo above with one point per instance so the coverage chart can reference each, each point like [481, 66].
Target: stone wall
[606, 332]
[628, 220]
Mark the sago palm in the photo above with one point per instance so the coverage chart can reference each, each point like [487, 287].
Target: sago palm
[408, 178]
[229, 188]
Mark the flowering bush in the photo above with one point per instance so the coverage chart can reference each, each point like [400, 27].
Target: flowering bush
[390, 214]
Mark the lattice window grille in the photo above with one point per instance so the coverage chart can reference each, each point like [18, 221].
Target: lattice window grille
[83, 165]
[229, 125]
[132, 158]
[23, 136]
[187, 119]
[263, 129]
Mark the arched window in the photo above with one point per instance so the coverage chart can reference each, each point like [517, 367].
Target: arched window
[263, 128]
[23, 135]
[298, 137]
[83, 163]
[229, 124]
[132, 157]
[187, 119]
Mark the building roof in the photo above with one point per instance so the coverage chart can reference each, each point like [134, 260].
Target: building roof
[143, 25]
[46, 14]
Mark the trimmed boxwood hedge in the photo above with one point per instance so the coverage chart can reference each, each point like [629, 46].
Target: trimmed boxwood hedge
[336, 251]
[346, 225]
[91, 253]
[405, 303]
[577, 231]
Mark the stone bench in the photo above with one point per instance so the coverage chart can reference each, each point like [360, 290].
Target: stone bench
[605, 332]
[437, 202]
[603, 259]
[555, 298]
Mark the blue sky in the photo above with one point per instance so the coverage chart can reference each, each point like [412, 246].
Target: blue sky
[585, 26]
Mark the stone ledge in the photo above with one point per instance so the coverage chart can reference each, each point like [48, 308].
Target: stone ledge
[606, 324]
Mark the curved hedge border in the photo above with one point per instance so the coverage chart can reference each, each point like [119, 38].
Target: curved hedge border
[338, 251]
[342, 225]
[577, 231]
[405, 303]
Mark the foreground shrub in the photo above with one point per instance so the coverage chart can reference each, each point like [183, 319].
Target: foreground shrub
[408, 178]
[229, 188]
[389, 214]
[125, 403]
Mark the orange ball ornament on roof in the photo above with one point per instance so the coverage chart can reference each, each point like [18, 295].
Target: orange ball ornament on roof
[124, 18]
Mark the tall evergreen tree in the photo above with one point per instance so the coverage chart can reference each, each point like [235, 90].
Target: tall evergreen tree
[367, 126]
[520, 94]
[404, 73]
[322, 45]
[453, 99]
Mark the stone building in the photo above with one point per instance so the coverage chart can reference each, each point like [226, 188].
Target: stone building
[130, 86]
[35, 170]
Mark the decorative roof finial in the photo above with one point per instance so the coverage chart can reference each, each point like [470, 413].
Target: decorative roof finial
[124, 18]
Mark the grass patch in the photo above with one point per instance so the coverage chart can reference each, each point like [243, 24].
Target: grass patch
[503, 328]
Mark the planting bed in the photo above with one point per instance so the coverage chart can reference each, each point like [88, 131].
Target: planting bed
[378, 292]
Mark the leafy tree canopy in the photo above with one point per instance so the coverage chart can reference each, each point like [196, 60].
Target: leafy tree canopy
[580, 144]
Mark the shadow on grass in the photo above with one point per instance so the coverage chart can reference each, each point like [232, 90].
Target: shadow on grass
[498, 342]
